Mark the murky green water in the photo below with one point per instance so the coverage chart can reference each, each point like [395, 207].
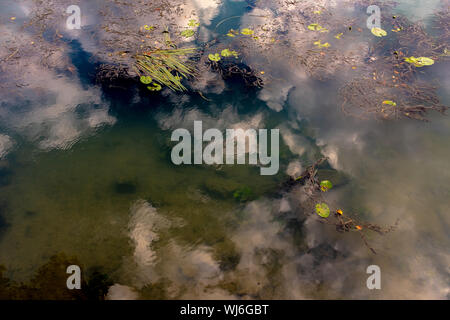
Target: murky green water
[88, 173]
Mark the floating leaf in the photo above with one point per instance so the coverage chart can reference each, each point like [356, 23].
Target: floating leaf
[389, 102]
[317, 12]
[412, 60]
[358, 228]
[378, 32]
[247, 31]
[154, 87]
[229, 53]
[149, 28]
[325, 185]
[146, 79]
[424, 61]
[339, 211]
[187, 33]
[214, 57]
[321, 45]
[420, 62]
[339, 35]
[397, 29]
[232, 33]
[323, 210]
[193, 23]
[315, 27]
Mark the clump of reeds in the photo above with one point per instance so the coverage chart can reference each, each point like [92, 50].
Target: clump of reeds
[166, 66]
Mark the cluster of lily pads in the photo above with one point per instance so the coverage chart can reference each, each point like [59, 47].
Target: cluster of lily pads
[322, 208]
[224, 53]
[318, 27]
[246, 31]
[152, 86]
[190, 32]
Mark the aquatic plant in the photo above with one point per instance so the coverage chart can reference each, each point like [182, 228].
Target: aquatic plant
[214, 57]
[420, 61]
[187, 33]
[323, 210]
[325, 185]
[247, 31]
[193, 23]
[46, 283]
[322, 45]
[317, 27]
[232, 33]
[146, 79]
[243, 194]
[229, 53]
[149, 28]
[315, 203]
[166, 67]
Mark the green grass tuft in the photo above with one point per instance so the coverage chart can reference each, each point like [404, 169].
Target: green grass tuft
[167, 67]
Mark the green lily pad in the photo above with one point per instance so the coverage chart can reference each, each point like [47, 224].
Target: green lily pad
[424, 61]
[214, 57]
[325, 185]
[322, 45]
[229, 53]
[232, 33]
[193, 23]
[187, 33]
[378, 32]
[315, 27]
[149, 28]
[247, 31]
[154, 87]
[146, 79]
[420, 61]
[323, 210]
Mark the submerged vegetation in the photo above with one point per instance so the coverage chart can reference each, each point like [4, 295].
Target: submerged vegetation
[49, 281]
[166, 67]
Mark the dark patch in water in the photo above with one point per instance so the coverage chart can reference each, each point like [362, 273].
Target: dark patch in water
[4, 225]
[30, 213]
[5, 176]
[125, 187]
